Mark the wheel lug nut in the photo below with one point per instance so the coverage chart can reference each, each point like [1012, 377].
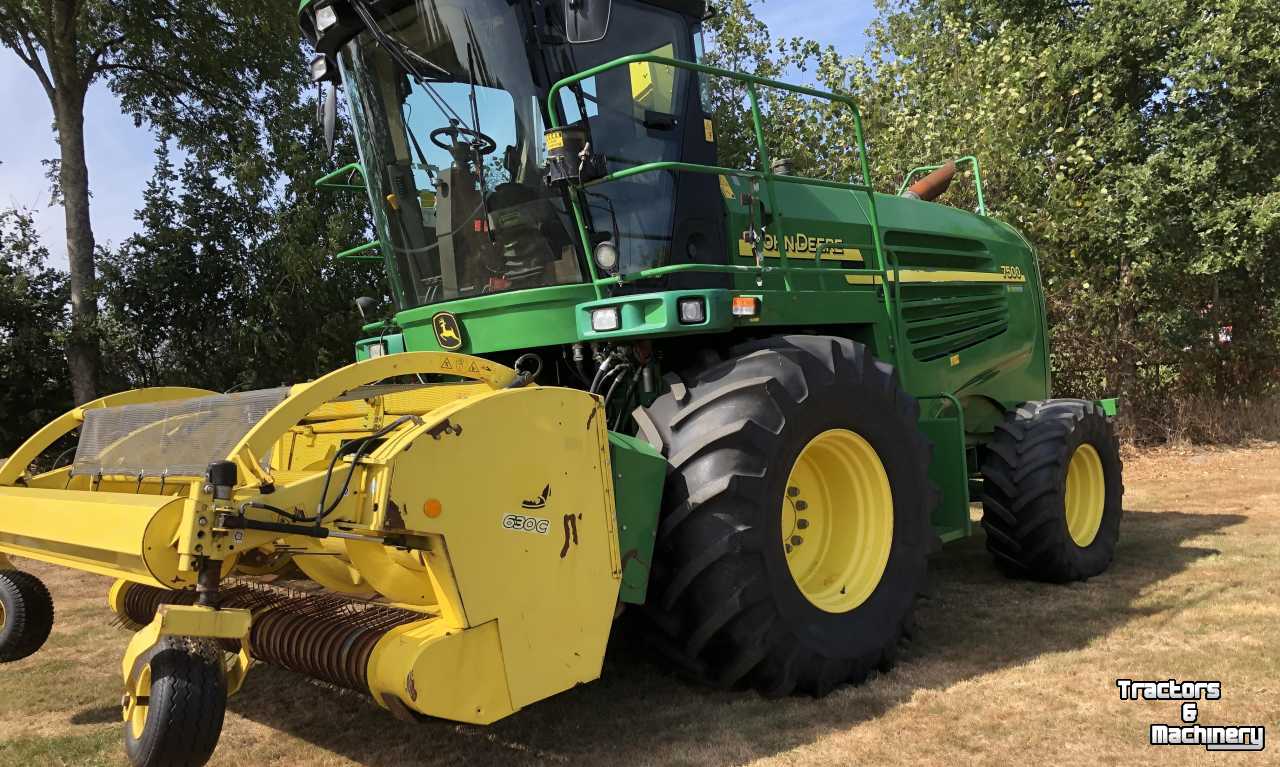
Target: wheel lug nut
[803, 524]
[788, 548]
[792, 492]
[796, 540]
[801, 505]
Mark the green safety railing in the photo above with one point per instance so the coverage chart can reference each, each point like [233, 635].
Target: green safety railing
[977, 178]
[330, 180]
[769, 179]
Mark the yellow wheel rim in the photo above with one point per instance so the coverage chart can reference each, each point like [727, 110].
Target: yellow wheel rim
[1086, 495]
[136, 703]
[837, 521]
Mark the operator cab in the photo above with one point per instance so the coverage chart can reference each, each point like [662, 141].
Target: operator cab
[448, 101]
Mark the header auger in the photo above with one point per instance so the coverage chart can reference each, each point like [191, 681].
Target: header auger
[618, 376]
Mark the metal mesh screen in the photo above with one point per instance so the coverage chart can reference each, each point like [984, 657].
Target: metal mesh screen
[169, 438]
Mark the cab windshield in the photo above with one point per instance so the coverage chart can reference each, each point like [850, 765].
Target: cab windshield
[449, 123]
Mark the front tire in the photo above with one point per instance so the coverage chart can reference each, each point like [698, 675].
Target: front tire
[799, 440]
[1053, 491]
[174, 710]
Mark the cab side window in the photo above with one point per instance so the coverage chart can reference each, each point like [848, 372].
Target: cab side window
[635, 118]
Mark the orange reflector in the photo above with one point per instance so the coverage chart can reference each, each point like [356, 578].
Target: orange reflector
[746, 306]
[432, 508]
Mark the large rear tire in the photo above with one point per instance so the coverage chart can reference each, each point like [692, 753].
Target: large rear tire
[795, 532]
[1053, 491]
[26, 615]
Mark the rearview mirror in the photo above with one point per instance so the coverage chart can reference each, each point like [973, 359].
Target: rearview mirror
[330, 119]
[587, 21]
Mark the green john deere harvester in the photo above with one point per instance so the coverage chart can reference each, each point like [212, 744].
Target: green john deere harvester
[740, 405]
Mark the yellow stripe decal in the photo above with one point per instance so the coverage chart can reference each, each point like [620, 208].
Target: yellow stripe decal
[1006, 277]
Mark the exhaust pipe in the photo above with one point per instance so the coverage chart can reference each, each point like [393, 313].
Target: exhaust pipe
[934, 185]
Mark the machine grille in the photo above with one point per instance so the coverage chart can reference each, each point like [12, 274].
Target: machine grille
[942, 320]
[179, 438]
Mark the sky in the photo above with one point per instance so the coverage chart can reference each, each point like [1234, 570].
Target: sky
[121, 155]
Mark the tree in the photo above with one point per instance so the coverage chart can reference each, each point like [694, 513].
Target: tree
[189, 68]
[231, 282]
[1131, 141]
[33, 322]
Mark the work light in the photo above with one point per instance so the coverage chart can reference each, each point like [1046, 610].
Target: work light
[693, 311]
[325, 17]
[606, 320]
[607, 256]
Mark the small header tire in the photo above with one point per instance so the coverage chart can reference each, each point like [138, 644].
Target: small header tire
[173, 711]
[26, 615]
[1053, 491]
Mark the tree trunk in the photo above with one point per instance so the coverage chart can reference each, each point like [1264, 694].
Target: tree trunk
[1126, 368]
[82, 346]
[68, 97]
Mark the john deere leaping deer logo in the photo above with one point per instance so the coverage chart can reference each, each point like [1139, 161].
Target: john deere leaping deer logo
[448, 331]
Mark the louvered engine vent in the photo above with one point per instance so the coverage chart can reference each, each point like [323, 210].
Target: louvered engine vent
[942, 320]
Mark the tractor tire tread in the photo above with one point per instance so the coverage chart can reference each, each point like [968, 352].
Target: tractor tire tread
[714, 613]
[1023, 494]
[185, 712]
[28, 615]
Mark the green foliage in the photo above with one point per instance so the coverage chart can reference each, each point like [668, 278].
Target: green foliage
[33, 320]
[1131, 141]
[193, 70]
[231, 282]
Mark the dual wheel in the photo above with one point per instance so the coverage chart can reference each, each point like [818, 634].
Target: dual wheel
[796, 527]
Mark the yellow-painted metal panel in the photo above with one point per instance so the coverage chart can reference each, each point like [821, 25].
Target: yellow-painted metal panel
[205, 622]
[326, 563]
[400, 576]
[442, 672]
[519, 492]
[113, 534]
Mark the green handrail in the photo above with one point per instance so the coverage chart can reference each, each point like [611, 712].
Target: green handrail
[977, 178]
[327, 181]
[769, 178]
[356, 253]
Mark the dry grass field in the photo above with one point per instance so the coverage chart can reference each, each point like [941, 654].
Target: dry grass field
[1001, 672]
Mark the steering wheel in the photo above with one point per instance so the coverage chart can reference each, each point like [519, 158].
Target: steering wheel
[480, 143]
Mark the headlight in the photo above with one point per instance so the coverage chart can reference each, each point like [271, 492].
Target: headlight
[606, 320]
[693, 311]
[325, 17]
[607, 256]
